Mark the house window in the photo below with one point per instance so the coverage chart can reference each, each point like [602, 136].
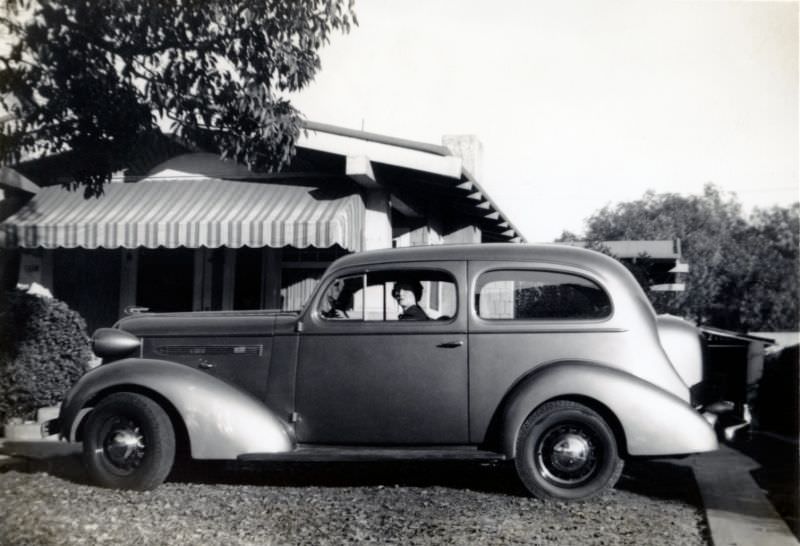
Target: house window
[165, 279]
[247, 283]
[84, 277]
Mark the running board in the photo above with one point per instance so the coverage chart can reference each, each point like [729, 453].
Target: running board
[348, 453]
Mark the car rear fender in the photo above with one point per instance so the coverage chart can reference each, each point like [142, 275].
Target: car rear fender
[222, 421]
[682, 343]
[653, 421]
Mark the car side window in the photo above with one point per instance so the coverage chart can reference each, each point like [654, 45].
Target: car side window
[534, 294]
[391, 295]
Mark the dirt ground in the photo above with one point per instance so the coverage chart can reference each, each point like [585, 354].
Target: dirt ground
[48, 502]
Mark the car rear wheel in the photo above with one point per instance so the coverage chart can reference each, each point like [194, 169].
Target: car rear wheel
[128, 443]
[566, 451]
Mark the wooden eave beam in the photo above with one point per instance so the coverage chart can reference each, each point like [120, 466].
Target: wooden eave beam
[378, 152]
[13, 180]
[404, 208]
[418, 187]
[359, 169]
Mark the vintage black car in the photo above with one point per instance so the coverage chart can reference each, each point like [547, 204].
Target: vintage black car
[550, 356]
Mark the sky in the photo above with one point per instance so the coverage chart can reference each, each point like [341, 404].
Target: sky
[579, 104]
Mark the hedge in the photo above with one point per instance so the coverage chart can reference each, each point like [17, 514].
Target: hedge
[777, 407]
[44, 349]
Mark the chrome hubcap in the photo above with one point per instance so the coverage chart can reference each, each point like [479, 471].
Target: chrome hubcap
[124, 444]
[567, 455]
[570, 453]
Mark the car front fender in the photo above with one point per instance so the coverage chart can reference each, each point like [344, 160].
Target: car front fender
[653, 421]
[222, 421]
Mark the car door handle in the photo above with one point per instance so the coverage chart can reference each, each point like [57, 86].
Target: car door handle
[451, 344]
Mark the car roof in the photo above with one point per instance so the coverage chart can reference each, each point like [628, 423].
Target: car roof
[551, 253]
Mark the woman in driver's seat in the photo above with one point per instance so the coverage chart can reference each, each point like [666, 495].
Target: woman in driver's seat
[407, 294]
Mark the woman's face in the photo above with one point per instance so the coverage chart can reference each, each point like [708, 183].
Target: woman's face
[404, 295]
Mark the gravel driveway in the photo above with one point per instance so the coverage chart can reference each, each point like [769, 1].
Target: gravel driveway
[385, 503]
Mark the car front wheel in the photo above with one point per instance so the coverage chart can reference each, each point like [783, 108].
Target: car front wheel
[128, 443]
[566, 451]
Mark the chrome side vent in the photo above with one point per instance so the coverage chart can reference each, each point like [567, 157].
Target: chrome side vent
[191, 350]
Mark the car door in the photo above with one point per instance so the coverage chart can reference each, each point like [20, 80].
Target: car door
[527, 314]
[364, 377]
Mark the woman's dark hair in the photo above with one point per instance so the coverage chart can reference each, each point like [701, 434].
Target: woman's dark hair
[344, 301]
[414, 285]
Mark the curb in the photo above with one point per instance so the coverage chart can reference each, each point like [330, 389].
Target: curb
[737, 510]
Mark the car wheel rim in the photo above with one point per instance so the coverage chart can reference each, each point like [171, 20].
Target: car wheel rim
[567, 455]
[123, 444]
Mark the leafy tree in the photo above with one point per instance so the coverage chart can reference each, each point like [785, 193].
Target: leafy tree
[744, 275]
[770, 281]
[95, 77]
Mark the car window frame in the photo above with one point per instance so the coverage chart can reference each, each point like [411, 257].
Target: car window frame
[313, 321]
[365, 277]
[480, 268]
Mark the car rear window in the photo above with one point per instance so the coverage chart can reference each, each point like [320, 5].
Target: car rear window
[535, 294]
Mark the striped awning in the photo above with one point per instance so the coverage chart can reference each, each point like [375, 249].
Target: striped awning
[195, 213]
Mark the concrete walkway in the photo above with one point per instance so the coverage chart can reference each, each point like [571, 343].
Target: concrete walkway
[737, 510]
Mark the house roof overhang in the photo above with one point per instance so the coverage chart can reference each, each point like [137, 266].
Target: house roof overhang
[419, 176]
[411, 171]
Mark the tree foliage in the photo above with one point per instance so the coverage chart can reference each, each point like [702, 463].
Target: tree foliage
[94, 76]
[769, 282]
[743, 273]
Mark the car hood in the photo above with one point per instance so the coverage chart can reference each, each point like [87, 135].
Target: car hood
[207, 323]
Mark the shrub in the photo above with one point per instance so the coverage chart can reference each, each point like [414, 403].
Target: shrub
[776, 406]
[44, 349]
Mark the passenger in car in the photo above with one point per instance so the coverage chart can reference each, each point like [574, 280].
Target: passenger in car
[338, 301]
[407, 294]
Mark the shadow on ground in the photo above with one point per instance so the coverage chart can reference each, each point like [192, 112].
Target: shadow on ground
[66, 467]
[778, 475]
[657, 479]
[662, 479]
[667, 479]
[485, 477]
